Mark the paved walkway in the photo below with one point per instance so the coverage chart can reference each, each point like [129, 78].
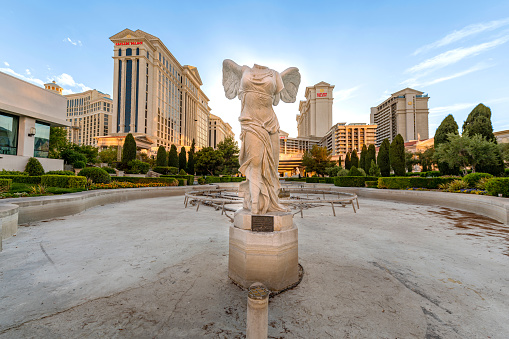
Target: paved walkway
[152, 269]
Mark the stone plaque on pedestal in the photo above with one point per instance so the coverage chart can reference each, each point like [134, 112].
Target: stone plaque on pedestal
[262, 223]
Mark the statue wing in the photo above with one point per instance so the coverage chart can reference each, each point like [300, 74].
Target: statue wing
[291, 80]
[232, 73]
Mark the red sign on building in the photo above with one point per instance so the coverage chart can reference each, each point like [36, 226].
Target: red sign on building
[321, 95]
[129, 43]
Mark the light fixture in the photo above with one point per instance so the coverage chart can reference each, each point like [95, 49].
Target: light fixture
[32, 132]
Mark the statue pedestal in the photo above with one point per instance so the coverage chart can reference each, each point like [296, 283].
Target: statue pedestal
[264, 248]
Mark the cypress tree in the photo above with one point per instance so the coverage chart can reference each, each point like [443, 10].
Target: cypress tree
[182, 159]
[362, 161]
[354, 159]
[190, 159]
[397, 155]
[383, 161]
[173, 157]
[447, 126]
[161, 157]
[348, 163]
[479, 122]
[129, 150]
[370, 156]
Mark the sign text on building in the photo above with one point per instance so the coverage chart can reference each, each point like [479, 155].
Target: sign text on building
[321, 95]
[129, 43]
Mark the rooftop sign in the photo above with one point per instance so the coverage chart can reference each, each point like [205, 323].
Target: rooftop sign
[128, 43]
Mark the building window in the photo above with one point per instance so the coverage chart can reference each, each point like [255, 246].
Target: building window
[138, 51]
[120, 52]
[128, 51]
[41, 142]
[8, 134]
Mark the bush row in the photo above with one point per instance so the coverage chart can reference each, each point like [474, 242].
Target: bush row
[64, 181]
[166, 170]
[348, 181]
[23, 179]
[136, 180]
[211, 179]
[5, 184]
[296, 179]
[408, 182]
[316, 180]
[188, 177]
[496, 186]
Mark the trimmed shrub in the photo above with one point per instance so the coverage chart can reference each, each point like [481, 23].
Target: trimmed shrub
[161, 157]
[455, 185]
[182, 182]
[343, 172]
[129, 150]
[371, 184]
[4, 172]
[211, 179]
[354, 172]
[64, 181]
[312, 180]
[432, 174]
[189, 178]
[109, 170]
[137, 167]
[506, 172]
[96, 174]
[79, 164]
[34, 167]
[60, 173]
[136, 180]
[23, 179]
[225, 179]
[238, 179]
[350, 181]
[496, 186]
[473, 178]
[201, 181]
[5, 184]
[166, 170]
[182, 172]
[409, 182]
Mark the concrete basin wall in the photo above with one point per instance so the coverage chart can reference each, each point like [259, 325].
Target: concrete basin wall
[492, 207]
[23, 210]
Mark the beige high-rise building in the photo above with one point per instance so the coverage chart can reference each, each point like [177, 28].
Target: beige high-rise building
[156, 98]
[218, 130]
[343, 138]
[90, 116]
[315, 116]
[405, 112]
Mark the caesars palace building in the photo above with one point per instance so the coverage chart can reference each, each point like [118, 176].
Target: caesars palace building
[156, 99]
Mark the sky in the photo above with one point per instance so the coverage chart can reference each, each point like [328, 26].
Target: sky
[456, 51]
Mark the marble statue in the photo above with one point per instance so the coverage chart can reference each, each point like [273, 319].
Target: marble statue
[259, 88]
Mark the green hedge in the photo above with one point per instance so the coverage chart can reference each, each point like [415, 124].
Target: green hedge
[64, 181]
[430, 174]
[60, 173]
[188, 177]
[167, 170]
[96, 174]
[23, 179]
[496, 186]
[296, 179]
[408, 182]
[182, 182]
[5, 184]
[211, 179]
[352, 181]
[473, 178]
[371, 184]
[138, 180]
[318, 180]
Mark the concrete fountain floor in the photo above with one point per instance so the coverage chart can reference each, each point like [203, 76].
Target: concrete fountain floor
[152, 269]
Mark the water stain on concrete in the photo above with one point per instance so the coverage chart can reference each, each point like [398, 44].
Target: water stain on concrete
[475, 225]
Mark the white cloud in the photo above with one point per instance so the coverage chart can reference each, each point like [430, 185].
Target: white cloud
[463, 33]
[443, 110]
[345, 94]
[66, 80]
[386, 94]
[455, 55]
[6, 63]
[23, 77]
[75, 43]
[27, 71]
[414, 82]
